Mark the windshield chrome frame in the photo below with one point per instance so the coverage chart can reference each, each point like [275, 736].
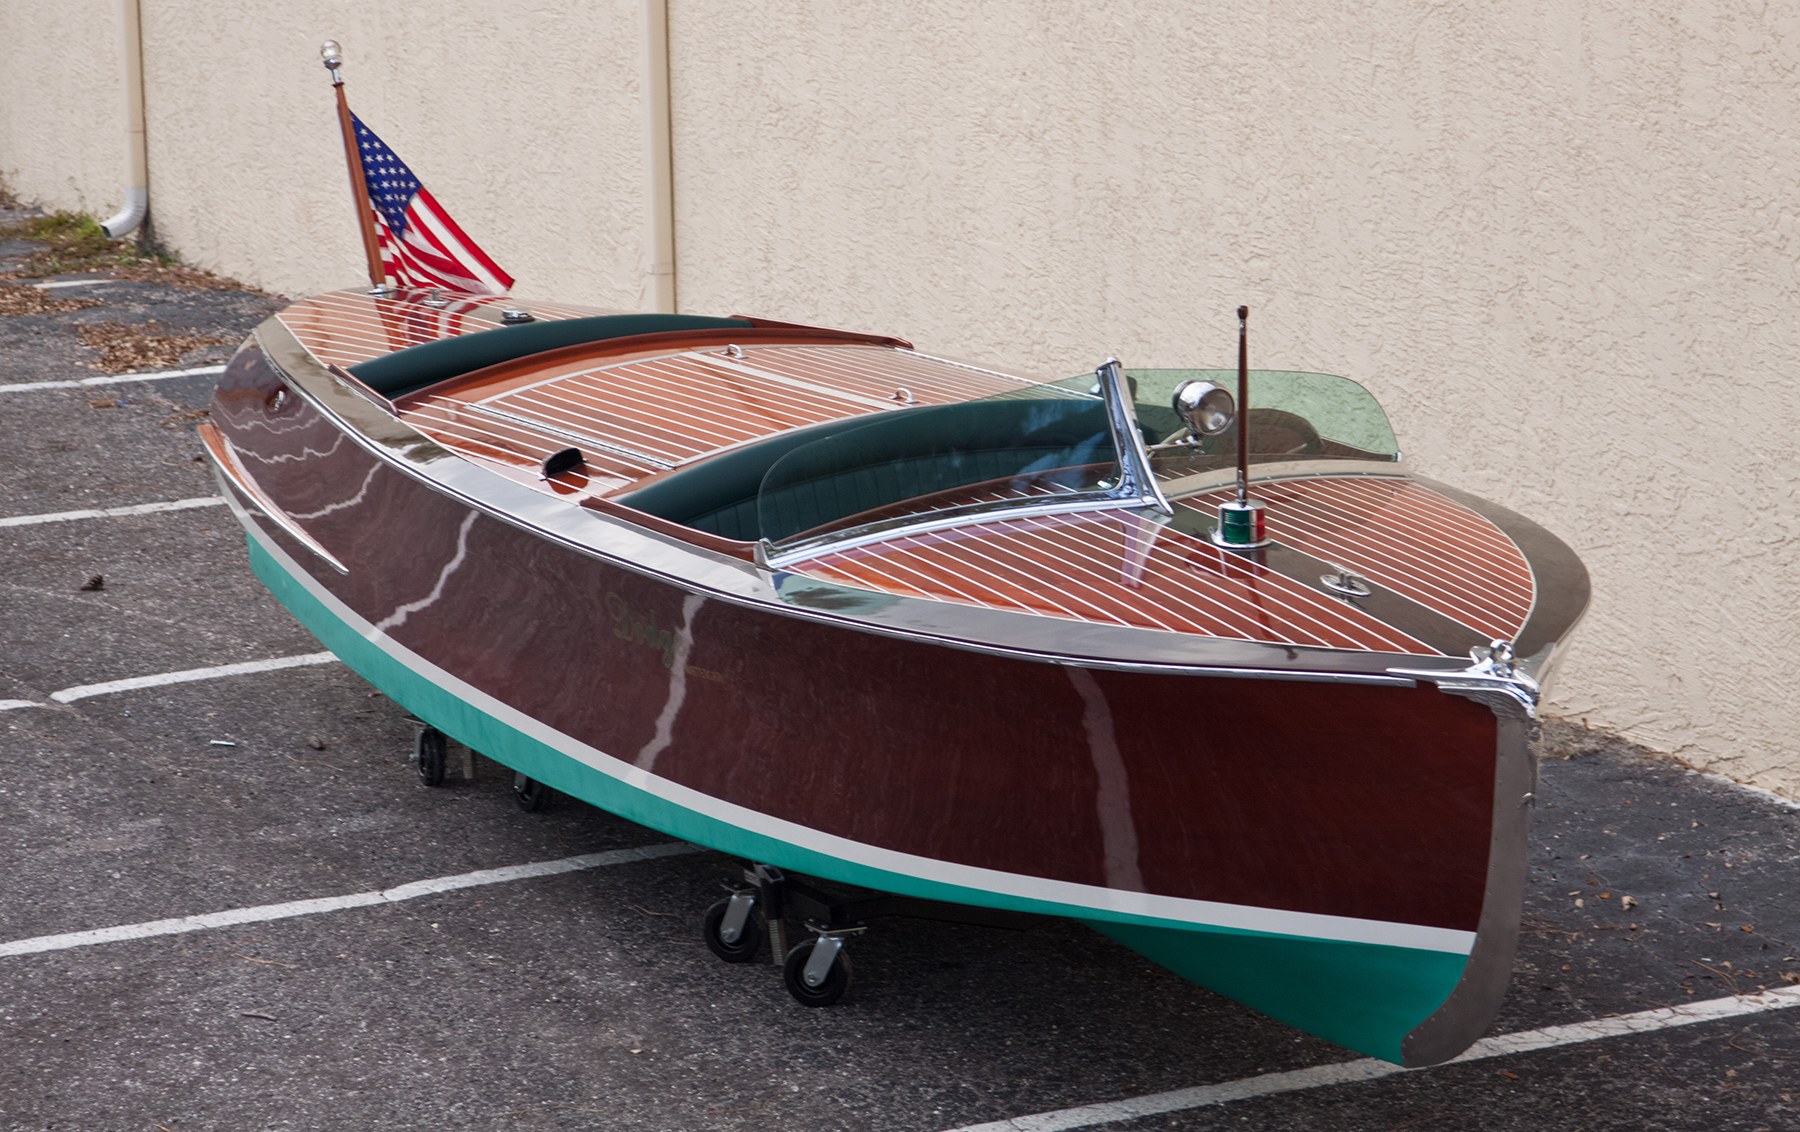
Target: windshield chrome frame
[1136, 488]
[1135, 478]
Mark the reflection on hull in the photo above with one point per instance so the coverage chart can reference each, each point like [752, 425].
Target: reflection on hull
[1338, 847]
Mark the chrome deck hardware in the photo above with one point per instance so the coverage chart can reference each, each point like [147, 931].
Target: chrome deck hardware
[1345, 582]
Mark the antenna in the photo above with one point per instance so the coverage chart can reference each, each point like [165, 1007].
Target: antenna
[1243, 400]
[1241, 519]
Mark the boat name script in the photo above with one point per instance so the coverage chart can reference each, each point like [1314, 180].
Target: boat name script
[634, 623]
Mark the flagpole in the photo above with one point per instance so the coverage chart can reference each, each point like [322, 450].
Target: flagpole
[333, 57]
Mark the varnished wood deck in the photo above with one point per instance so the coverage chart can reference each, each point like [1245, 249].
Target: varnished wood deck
[637, 412]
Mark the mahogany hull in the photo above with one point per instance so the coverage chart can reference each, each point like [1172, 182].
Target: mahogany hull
[1366, 836]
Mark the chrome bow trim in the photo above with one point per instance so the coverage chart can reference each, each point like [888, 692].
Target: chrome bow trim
[1495, 677]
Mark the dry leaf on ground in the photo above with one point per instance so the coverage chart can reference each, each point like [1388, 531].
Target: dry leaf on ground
[18, 299]
[124, 348]
[177, 275]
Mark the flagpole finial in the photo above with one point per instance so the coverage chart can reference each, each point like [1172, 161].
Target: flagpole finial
[333, 57]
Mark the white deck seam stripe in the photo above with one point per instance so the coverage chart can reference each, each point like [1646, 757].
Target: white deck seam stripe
[85, 691]
[107, 379]
[1430, 569]
[113, 512]
[265, 912]
[1369, 1069]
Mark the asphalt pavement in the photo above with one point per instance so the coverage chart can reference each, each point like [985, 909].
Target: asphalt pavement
[255, 836]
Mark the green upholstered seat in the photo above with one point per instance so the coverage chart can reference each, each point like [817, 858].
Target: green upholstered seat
[415, 367]
[719, 495]
[864, 463]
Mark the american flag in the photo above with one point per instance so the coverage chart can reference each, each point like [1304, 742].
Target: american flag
[420, 245]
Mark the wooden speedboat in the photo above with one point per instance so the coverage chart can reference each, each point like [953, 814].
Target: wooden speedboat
[827, 602]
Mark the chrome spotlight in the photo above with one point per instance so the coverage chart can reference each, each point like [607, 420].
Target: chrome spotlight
[1206, 408]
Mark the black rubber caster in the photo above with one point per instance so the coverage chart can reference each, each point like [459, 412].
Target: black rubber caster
[430, 753]
[748, 942]
[830, 988]
[530, 794]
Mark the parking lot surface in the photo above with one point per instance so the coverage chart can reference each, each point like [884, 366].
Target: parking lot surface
[211, 915]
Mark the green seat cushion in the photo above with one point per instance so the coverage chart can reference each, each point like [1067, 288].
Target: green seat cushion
[868, 462]
[415, 367]
[719, 495]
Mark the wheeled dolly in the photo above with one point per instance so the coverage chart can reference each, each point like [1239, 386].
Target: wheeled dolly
[431, 754]
[817, 971]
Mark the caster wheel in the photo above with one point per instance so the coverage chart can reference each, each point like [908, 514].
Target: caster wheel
[429, 755]
[748, 942]
[830, 988]
[530, 794]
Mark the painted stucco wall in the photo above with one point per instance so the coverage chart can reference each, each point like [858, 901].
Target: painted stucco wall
[1559, 241]
[61, 84]
[246, 166]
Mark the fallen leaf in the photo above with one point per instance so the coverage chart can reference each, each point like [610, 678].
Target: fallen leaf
[17, 299]
[124, 347]
[178, 275]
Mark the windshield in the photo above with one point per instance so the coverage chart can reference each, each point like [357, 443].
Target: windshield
[1292, 415]
[1058, 447]
[1046, 440]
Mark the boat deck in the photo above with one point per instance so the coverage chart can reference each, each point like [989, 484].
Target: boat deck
[642, 407]
[632, 411]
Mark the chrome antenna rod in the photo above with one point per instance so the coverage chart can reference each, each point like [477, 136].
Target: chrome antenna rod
[1243, 406]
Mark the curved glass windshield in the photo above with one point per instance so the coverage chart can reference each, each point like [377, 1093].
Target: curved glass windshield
[1057, 447]
[1043, 441]
[1292, 415]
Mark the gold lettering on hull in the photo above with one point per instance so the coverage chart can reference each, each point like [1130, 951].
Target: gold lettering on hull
[633, 623]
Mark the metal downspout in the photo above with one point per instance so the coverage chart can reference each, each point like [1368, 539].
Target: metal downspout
[137, 193]
[658, 160]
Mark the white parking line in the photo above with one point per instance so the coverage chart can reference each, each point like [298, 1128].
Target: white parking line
[110, 512]
[1369, 1069]
[208, 921]
[108, 379]
[185, 676]
[83, 691]
[59, 284]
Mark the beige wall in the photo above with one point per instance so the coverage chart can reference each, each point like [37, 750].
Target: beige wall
[1559, 241]
[61, 80]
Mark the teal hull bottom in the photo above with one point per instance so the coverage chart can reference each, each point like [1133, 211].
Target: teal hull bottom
[1362, 996]
[1365, 996]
